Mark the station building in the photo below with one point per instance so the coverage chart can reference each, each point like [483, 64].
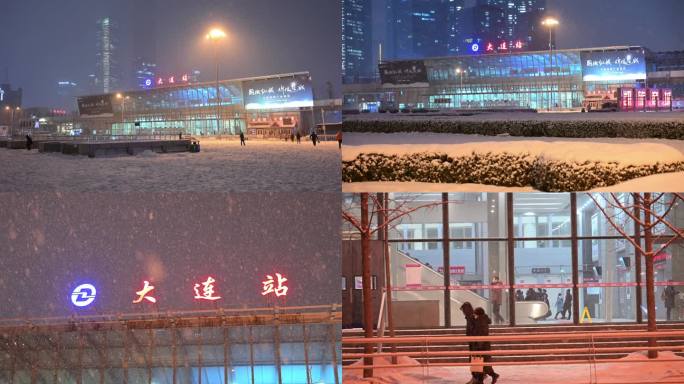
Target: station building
[456, 243]
[267, 106]
[505, 79]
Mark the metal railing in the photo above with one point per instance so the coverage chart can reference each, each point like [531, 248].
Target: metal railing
[426, 342]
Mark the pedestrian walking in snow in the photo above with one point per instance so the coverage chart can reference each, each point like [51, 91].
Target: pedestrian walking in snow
[482, 322]
[668, 297]
[497, 296]
[338, 137]
[469, 314]
[29, 142]
[314, 137]
[559, 305]
[242, 139]
[567, 304]
[299, 138]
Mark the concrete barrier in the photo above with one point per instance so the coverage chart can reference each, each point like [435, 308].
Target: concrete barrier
[107, 148]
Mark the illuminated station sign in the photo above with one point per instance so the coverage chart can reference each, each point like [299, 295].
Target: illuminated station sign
[273, 285]
[477, 47]
[167, 81]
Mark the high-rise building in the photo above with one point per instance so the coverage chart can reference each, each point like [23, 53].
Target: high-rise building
[458, 23]
[418, 28]
[107, 66]
[67, 91]
[145, 72]
[520, 21]
[357, 43]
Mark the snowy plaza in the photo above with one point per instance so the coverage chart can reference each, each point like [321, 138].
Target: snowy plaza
[221, 166]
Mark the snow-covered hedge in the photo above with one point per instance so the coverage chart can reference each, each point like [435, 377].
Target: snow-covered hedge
[529, 128]
[500, 169]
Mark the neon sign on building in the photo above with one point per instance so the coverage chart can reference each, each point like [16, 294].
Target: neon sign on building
[83, 295]
[274, 286]
[142, 294]
[207, 290]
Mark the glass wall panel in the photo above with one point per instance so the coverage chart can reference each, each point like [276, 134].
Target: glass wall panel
[541, 275]
[591, 221]
[607, 280]
[481, 263]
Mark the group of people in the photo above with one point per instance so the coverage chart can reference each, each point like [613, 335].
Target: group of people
[563, 305]
[477, 324]
[668, 296]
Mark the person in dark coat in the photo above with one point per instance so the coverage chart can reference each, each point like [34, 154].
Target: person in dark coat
[242, 139]
[519, 296]
[668, 297]
[559, 306]
[482, 322]
[29, 142]
[530, 295]
[299, 137]
[567, 304]
[314, 138]
[469, 315]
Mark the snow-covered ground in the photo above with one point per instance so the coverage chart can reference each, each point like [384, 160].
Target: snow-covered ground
[620, 372]
[221, 166]
[623, 151]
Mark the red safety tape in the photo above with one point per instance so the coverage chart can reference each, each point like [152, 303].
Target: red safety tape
[525, 286]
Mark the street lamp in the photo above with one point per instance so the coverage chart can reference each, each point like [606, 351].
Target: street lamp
[12, 110]
[459, 72]
[123, 108]
[550, 23]
[216, 35]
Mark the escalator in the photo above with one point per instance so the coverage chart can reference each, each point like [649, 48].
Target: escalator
[527, 312]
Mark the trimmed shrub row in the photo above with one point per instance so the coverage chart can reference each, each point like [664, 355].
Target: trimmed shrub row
[530, 128]
[500, 169]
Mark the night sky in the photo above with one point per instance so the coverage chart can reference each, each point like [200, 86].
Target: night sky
[42, 42]
[655, 24]
[50, 243]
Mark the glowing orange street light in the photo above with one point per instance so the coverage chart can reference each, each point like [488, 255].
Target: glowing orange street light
[550, 23]
[215, 35]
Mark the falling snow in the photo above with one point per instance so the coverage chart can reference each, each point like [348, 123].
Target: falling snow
[221, 166]
[51, 242]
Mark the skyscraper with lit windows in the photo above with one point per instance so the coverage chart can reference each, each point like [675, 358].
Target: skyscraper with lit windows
[357, 43]
[107, 66]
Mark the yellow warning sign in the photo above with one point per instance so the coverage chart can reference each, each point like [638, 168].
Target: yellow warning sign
[585, 313]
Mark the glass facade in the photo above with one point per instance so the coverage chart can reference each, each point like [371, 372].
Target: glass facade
[533, 80]
[195, 109]
[172, 351]
[534, 259]
[538, 80]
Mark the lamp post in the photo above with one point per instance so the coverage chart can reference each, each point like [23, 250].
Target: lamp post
[123, 108]
[459, 71]
[12, 110]
[215, 35]
[550, 23]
